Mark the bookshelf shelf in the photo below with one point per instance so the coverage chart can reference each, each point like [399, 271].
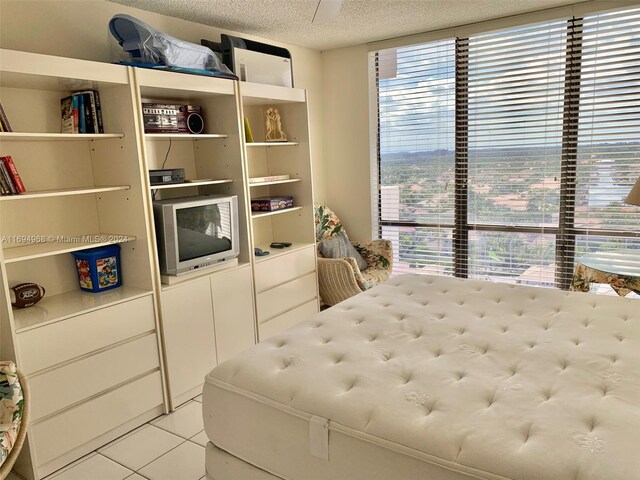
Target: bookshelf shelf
[277, 212]
[275, 182]
[184, 136]
[276, 252]
[271, 144]
[67, 244]
[195, 183]
[47, 137]
[64, 305]
[64, 192]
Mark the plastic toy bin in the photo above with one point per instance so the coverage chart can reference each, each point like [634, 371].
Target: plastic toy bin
[99, 268]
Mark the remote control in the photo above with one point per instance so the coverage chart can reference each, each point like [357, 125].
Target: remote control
[280, 244]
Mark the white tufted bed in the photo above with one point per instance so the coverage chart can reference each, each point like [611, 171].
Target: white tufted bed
[433, 378]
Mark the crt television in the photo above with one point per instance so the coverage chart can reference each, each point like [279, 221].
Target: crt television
[196, 232]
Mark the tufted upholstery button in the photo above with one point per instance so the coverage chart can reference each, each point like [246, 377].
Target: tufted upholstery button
[504, 329]
[326, 340]
[351, 385]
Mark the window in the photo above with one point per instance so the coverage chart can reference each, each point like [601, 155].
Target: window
[507, 155]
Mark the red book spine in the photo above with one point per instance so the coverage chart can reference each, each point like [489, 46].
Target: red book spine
[13, 172]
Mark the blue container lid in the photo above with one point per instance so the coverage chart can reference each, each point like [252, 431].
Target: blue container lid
[98, 251]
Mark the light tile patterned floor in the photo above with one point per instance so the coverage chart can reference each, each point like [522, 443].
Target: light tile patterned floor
[170, 447]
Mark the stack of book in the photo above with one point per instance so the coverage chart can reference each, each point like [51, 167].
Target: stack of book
[10, 181]
[81, 113]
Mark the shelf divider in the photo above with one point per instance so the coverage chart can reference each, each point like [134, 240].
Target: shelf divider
[271, 144]
[47, 137]
[275, 182]
[275, 212]
[64, 192]
[69, 304]
[195, 183]
[184, 136]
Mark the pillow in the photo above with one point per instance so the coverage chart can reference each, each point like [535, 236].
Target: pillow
[339, 246]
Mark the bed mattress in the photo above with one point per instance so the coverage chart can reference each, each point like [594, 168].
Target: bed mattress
[438, 378]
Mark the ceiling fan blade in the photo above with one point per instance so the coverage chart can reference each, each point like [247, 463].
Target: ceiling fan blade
[326, 11]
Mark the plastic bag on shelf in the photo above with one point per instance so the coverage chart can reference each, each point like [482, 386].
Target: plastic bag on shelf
[146, 45]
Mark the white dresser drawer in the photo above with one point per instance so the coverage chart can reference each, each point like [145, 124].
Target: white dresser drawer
[64, 340]
[72, 428]
[89, 376]
[284, 268]
[287, 319]
[280, 299]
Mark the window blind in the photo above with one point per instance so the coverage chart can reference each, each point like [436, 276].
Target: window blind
[414, 192]
[506, 156]
[608, 135]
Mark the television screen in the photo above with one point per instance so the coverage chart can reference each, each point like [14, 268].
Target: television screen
[204, 230]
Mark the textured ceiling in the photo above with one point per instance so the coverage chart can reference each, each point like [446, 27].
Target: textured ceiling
[359, 21]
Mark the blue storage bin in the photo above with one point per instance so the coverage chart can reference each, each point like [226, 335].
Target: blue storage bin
[99, 268]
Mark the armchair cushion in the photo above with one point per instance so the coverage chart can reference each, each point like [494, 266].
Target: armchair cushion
[11, 408]
[338, 246]
[377, 253]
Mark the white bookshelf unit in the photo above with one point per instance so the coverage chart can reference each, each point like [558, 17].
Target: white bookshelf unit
[78, 186]
[101, 364]
[218, 325]
[286, 284]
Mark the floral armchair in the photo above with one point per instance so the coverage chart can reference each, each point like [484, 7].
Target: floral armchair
[14, 413]
[341, 278]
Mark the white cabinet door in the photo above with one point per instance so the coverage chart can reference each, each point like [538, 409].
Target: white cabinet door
[233, 311]
[189, 336]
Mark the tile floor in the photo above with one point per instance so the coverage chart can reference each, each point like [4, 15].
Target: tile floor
[170, 447]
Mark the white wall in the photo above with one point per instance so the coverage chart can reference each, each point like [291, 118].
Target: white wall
[79, 29]
[347, 138]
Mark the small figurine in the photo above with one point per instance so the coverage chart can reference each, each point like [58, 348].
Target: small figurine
[274, 126]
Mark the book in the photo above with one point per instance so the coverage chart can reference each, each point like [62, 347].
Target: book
[4, 172]
[96, 97]
[13, 173]
[92, 125]
[69, 112]
[82, 119]
[4, 121]
[5, 189]
[272, 178]
[248, 136]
